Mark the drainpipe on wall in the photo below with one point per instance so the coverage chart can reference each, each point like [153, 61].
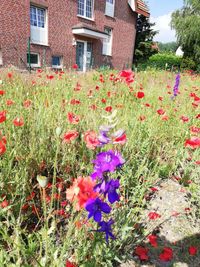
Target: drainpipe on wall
[29, 54]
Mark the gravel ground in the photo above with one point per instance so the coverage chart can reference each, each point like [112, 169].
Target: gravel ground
[177, 227]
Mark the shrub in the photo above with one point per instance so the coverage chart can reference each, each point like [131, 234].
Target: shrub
[164, 61]
[188, 63]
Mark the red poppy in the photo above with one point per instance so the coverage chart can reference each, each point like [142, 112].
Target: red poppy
[192, 250]
[126, 73]
[194, 129]
[193, 142]
[70, 264]
[75, 67]
[165, 118]
[147, 105]
[81, 191]
[2, 92]
[72, 118]
[153, 240]
[119, 137]
[78, 87]
[91, 139]
[75, 102]
[140, 95]
[108, 109]
[27, 103]
[2, 116]
[103, 100]
[142, 118]
[161, 111]
[141, 252]
[2, 147]
[198, 116]
[93, 107]
[160, 98]
[184, 118]
[4, 204]
[153, 215]
[9, 102]
[154, 189]
[18, 122]
[50, 77]
[10, 75]
[70, 136]
[167, 254]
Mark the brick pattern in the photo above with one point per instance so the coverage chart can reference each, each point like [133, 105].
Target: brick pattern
[62, 16]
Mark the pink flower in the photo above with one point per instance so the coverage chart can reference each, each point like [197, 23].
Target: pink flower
[91, 140]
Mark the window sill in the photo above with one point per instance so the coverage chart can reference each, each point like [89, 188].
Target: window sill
[82, 17]
[34, 66]
[112, 17]
[57, 67]
[35, 43]
[106, 55]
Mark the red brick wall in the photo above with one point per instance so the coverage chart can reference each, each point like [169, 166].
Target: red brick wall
[62, 16]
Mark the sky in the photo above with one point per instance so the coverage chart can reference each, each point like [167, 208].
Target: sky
[161, 14]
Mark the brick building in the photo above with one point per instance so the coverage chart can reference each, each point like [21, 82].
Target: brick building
[60, 33]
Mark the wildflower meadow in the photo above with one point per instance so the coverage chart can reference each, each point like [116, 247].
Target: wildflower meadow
[81, 158]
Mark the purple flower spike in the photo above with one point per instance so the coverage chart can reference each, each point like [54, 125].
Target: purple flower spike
[106, 228]
[176, 86]
[110, 189]
[95, 207]
[106, 162]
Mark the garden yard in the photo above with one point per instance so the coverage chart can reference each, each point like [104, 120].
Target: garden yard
[99, 169]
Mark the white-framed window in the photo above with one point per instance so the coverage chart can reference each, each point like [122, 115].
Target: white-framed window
[1, 57]
[110, 8]
[34, 60]
[57, 62]
[86, 8]
[107, 43]
[38, 22]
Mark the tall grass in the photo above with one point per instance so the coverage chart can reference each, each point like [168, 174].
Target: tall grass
[32, 230]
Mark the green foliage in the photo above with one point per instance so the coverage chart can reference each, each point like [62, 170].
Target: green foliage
[167, 47]
[186, 22]
[162, 61]
[188, 64]
[144, 40]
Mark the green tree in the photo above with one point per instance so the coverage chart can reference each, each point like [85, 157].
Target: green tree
[186, 22]
[144, 45]
[168, 47]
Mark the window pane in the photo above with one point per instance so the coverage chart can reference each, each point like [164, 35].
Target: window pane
[89, 8]
[37, 16]
[56, 61]
[110, 1]
[33, 58]
[33, 16]
[81, 5]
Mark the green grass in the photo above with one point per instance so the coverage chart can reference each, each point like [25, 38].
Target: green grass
[154, 150]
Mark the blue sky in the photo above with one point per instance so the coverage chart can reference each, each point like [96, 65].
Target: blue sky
[161, 14]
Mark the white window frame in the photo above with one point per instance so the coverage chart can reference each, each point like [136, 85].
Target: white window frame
[38, 65]
[61, 63]
[107, 43]
[1, 57]
[84, 16]
[110, 8]
[45, 29]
